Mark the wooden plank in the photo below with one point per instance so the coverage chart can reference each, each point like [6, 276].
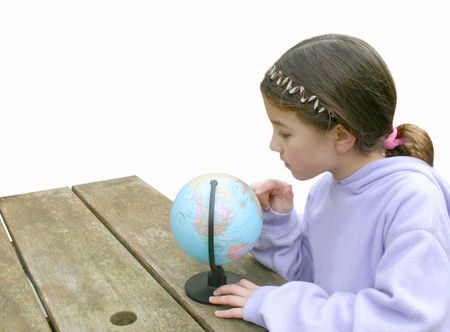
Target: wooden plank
[139, 217]
[86, 279]
[19, 308]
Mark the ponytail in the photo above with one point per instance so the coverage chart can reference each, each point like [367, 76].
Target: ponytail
[416, 143]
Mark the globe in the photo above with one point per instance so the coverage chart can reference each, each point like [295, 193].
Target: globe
[237, 218]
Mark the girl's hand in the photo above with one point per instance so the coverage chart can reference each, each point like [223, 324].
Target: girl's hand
[234, 295]
[275, 194]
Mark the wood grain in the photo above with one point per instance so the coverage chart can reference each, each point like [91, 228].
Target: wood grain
[84, 276]
[139, 216]
[19, 308]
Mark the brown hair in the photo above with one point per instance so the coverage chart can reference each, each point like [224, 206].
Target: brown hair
[417, 144]
[354, 84]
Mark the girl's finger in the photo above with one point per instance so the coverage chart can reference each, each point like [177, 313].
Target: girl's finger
[263, 198]
[255, 185]
[270, 187]
[265, 201]
[230, 313]
[247, 284]
[288, 193]
[230, 300]
[231, 289]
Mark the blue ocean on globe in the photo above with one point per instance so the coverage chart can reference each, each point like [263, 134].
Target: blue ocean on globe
[237, 218]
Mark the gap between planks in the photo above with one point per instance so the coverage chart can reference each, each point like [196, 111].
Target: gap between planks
[169, 289]
[26, 273]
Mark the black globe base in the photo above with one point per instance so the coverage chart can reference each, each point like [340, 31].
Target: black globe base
[199, 287]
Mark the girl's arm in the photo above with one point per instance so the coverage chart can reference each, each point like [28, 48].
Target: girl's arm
[282, 245]
[411, 293]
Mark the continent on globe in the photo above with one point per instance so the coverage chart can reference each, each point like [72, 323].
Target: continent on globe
[237, 218]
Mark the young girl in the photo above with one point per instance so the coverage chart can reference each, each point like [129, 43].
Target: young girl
[371, 250]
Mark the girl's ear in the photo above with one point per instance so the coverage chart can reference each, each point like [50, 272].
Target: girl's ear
[344, 140]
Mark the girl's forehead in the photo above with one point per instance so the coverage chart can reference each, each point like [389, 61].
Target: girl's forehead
[282, 118]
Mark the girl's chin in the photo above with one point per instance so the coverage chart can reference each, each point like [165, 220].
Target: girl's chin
[300, 176]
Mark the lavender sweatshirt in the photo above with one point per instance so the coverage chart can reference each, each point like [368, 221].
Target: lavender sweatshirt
[370, 253]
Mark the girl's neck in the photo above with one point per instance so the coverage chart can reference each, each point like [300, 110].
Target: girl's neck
[353, 161]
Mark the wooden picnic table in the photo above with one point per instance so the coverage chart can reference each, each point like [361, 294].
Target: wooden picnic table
[101, 257]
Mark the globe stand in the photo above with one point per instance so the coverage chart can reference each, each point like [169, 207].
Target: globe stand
[201, 286]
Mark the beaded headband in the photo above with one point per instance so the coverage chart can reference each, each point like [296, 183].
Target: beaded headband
[282, 80]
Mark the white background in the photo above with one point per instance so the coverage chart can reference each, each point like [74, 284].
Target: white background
[169, 90]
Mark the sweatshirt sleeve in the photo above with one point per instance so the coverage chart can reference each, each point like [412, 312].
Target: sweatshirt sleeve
[411, 293]
[283, 247]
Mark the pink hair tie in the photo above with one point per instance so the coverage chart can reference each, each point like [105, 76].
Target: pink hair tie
[391, 142]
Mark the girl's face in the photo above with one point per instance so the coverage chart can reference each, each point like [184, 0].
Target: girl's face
[305, 151]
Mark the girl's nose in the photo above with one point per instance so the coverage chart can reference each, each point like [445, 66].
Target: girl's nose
[274, 146]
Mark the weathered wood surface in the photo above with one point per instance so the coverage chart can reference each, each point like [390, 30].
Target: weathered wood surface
[139, 216]
[84, 276]
[19, 308]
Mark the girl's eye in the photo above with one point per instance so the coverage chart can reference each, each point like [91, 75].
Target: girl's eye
[283, 135]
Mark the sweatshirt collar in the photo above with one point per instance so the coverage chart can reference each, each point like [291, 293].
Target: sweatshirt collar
[378, 169]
